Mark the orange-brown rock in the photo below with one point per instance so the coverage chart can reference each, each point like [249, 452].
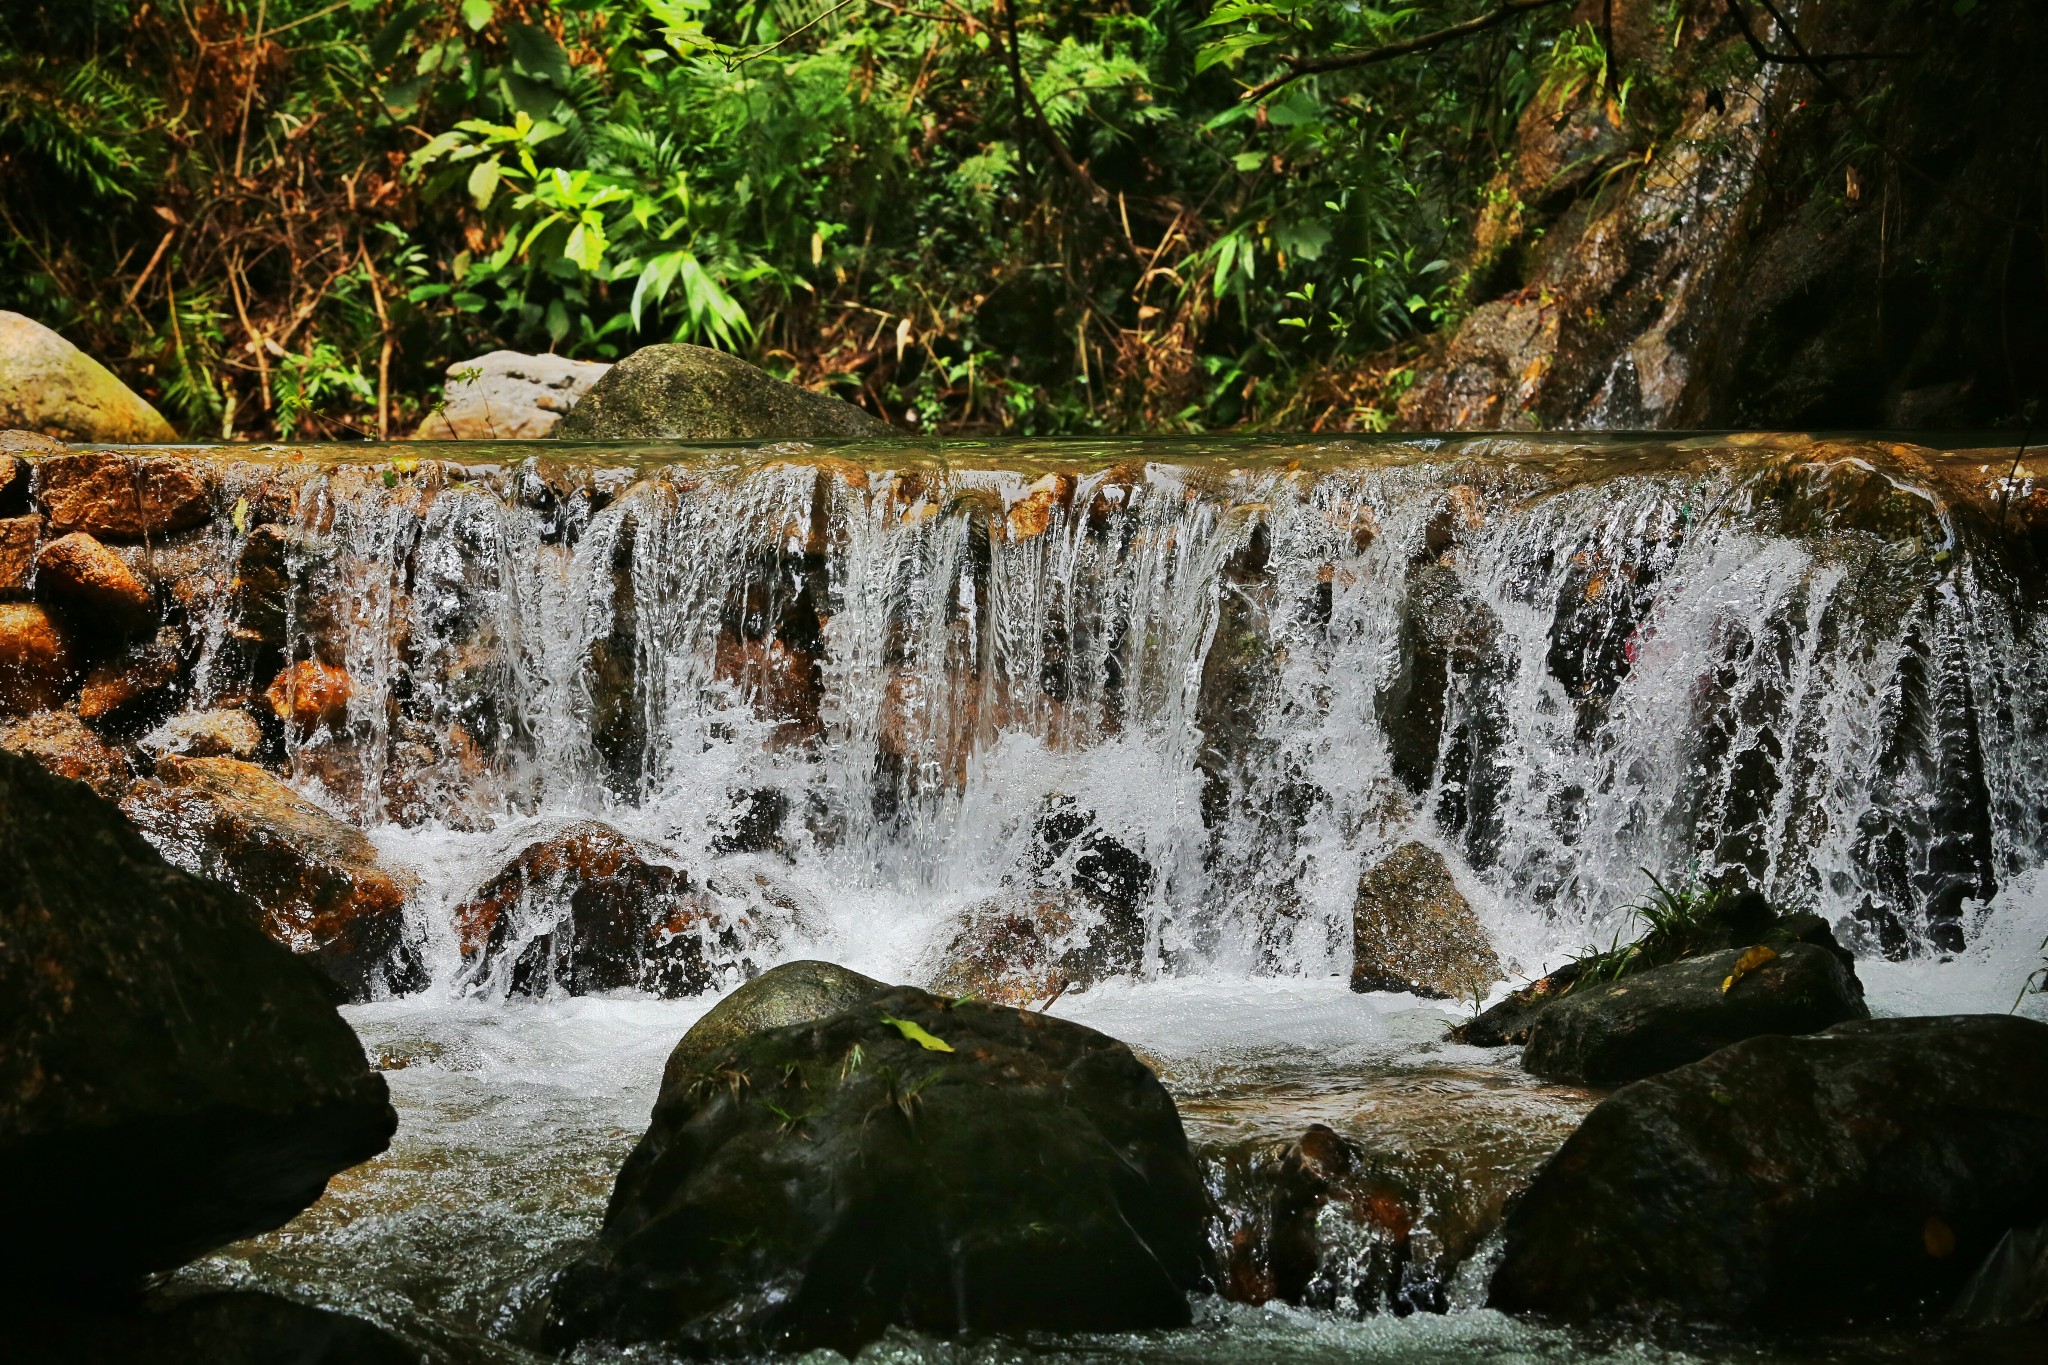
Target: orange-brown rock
[1026, 946]
[1032, 514]
[317, 882]
[223, 733]
[782, 684]
[143, 679]
[18, 552]
[123, 497]
[310, 694]
[37, 659]
[62, 744]
[92, 583]
[591, 909]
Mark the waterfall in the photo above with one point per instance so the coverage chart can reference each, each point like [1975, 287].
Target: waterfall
[872, 675]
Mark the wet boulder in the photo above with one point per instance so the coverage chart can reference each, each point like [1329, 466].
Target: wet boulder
[1413, 930]
[508, 396]
[590, 910]
[677, 392]
[38, 658]
[18, 551]
[310, 696]
[1860, 1173]
[119, 496]
[93, 585]
[221, 733]
[793, 993]
[1647, 1022]
[906, 1162]
[317, 882]
[48, 385]
[170, 1079]
[1024, 947]
[62, 744]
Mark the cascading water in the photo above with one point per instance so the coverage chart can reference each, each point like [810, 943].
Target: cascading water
[856, 692]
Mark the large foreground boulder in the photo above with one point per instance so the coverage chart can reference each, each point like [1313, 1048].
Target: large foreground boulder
[170, 1079]
[50, 386]
[316, 881]
[1864, 1172]
[904, 1162]
[689, 393]
[508, 396]
[1652, 1021]
[793, 993]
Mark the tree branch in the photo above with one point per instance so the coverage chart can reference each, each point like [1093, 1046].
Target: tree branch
[1297, 67]
[1031, 113]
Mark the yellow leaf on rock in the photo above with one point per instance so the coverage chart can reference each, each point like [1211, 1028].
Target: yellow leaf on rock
[916, 1034]
[1750, 960]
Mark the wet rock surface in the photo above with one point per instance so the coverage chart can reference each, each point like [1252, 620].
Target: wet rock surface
[49, 386]
[318, 883]
[62, 744]
[1652, 1021]
[591, 909]
[508, 396]
[1862, 1173]
[120, 496]
[94, 583]
[1022, 1172]
[38, 658]
[1413, 930]
[792, 993]
[688, 393]
[170, 1079]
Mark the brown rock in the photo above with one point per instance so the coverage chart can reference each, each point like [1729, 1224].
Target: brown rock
[592, 910]
[17, 442]
[92, 582]
[36, 658]
[121, 686]
[58, 741]
[1412, 930]
[124, 497]
[18, 552]
[1024, 947]
[310, 694]
[1029, 517]
[318, 882]
[208, 734]
[783, 684]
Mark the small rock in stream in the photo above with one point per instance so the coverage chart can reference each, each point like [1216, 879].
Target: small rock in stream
[905, 1162]
[1413, 930]
[677, 392]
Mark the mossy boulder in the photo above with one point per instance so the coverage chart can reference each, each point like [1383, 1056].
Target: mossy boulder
[1861, 1173]
[170, 1079]
[793, 993]
[906, 1162]
[689, 393]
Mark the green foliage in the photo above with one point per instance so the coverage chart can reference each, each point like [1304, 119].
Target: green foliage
[846, 191]
[1676, 924]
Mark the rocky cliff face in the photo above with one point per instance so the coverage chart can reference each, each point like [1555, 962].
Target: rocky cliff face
[1728, 241]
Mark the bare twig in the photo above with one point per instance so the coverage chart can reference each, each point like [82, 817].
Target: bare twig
[384, 353]
[1031, 114]
[1297, 67]
[143, 278]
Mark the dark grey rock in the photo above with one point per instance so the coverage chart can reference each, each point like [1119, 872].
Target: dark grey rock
[170, 1079]
[689, 393]
[1864, 1172]
[238, 1328]
[817, 1184]
[1651, 1021]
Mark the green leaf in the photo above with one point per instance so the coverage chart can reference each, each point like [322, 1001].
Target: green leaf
[483, 182]
[916, 1034]
[384, 46]
[477, 13]
[536, 53]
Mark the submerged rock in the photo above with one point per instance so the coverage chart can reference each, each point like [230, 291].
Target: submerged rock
[243, 1327]
[688, 393]
[317, 881]
[1651, 1021]
[591, 910]
[1413, 930]
[122, 496]
[793, 993]
[901, 1163]
[1859, 1173]
[508, 396]
[170, 1080]
[48, 385]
